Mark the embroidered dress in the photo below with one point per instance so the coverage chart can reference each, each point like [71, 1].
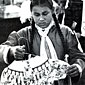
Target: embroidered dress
[43, 74]
[39, 70]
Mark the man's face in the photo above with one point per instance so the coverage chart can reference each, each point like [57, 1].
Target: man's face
[42, 16]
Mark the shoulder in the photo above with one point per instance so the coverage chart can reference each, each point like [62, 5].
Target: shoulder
[24, 31]
[21, 33]
[66, 30]
[28, 28]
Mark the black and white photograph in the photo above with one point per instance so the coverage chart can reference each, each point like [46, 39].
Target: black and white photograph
[42, 42]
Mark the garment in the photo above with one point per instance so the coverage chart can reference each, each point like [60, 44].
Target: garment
[75, 56]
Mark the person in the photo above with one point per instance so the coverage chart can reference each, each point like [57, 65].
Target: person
[77, 34]
[63, 7]
[36, 54]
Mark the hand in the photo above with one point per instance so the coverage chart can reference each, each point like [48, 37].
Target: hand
[18, 52]
[74, 25]
[78, 35]
[73, 71]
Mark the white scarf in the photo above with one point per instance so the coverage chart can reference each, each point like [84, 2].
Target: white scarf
[44, 39]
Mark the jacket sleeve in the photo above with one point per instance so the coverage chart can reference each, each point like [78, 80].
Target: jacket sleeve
[75, 55]
[13, 40]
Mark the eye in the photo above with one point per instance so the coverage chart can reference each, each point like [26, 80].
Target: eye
[36, 14]
[45, 13]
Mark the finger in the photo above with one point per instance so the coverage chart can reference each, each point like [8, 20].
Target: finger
[18, 55]
[18, 58]
[75, 73]
[23, 46]
[20, 50]
[70, 70]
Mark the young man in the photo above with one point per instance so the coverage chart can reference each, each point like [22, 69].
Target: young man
[35, 51]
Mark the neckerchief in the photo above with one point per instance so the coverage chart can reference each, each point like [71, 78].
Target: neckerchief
[46, 47]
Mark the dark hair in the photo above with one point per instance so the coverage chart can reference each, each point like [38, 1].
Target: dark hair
[32, 23]
[47, 3]
[60, 33]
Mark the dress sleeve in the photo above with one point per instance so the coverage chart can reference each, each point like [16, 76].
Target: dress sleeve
[75, 55]
[13, 40]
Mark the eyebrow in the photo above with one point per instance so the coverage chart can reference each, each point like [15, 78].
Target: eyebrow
[36, 13]
[42, 12]
[45, 12]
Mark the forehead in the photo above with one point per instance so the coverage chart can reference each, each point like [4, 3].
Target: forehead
[40, 8]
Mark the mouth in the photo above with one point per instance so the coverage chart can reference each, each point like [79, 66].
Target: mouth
[43, 24]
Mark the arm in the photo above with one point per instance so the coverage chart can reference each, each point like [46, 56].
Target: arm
[14, 49]
[76, 58]
[12, 41]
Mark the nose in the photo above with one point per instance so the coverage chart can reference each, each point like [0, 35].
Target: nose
[41, 18]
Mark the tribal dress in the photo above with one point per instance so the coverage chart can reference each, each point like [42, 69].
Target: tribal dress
[36, 69]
